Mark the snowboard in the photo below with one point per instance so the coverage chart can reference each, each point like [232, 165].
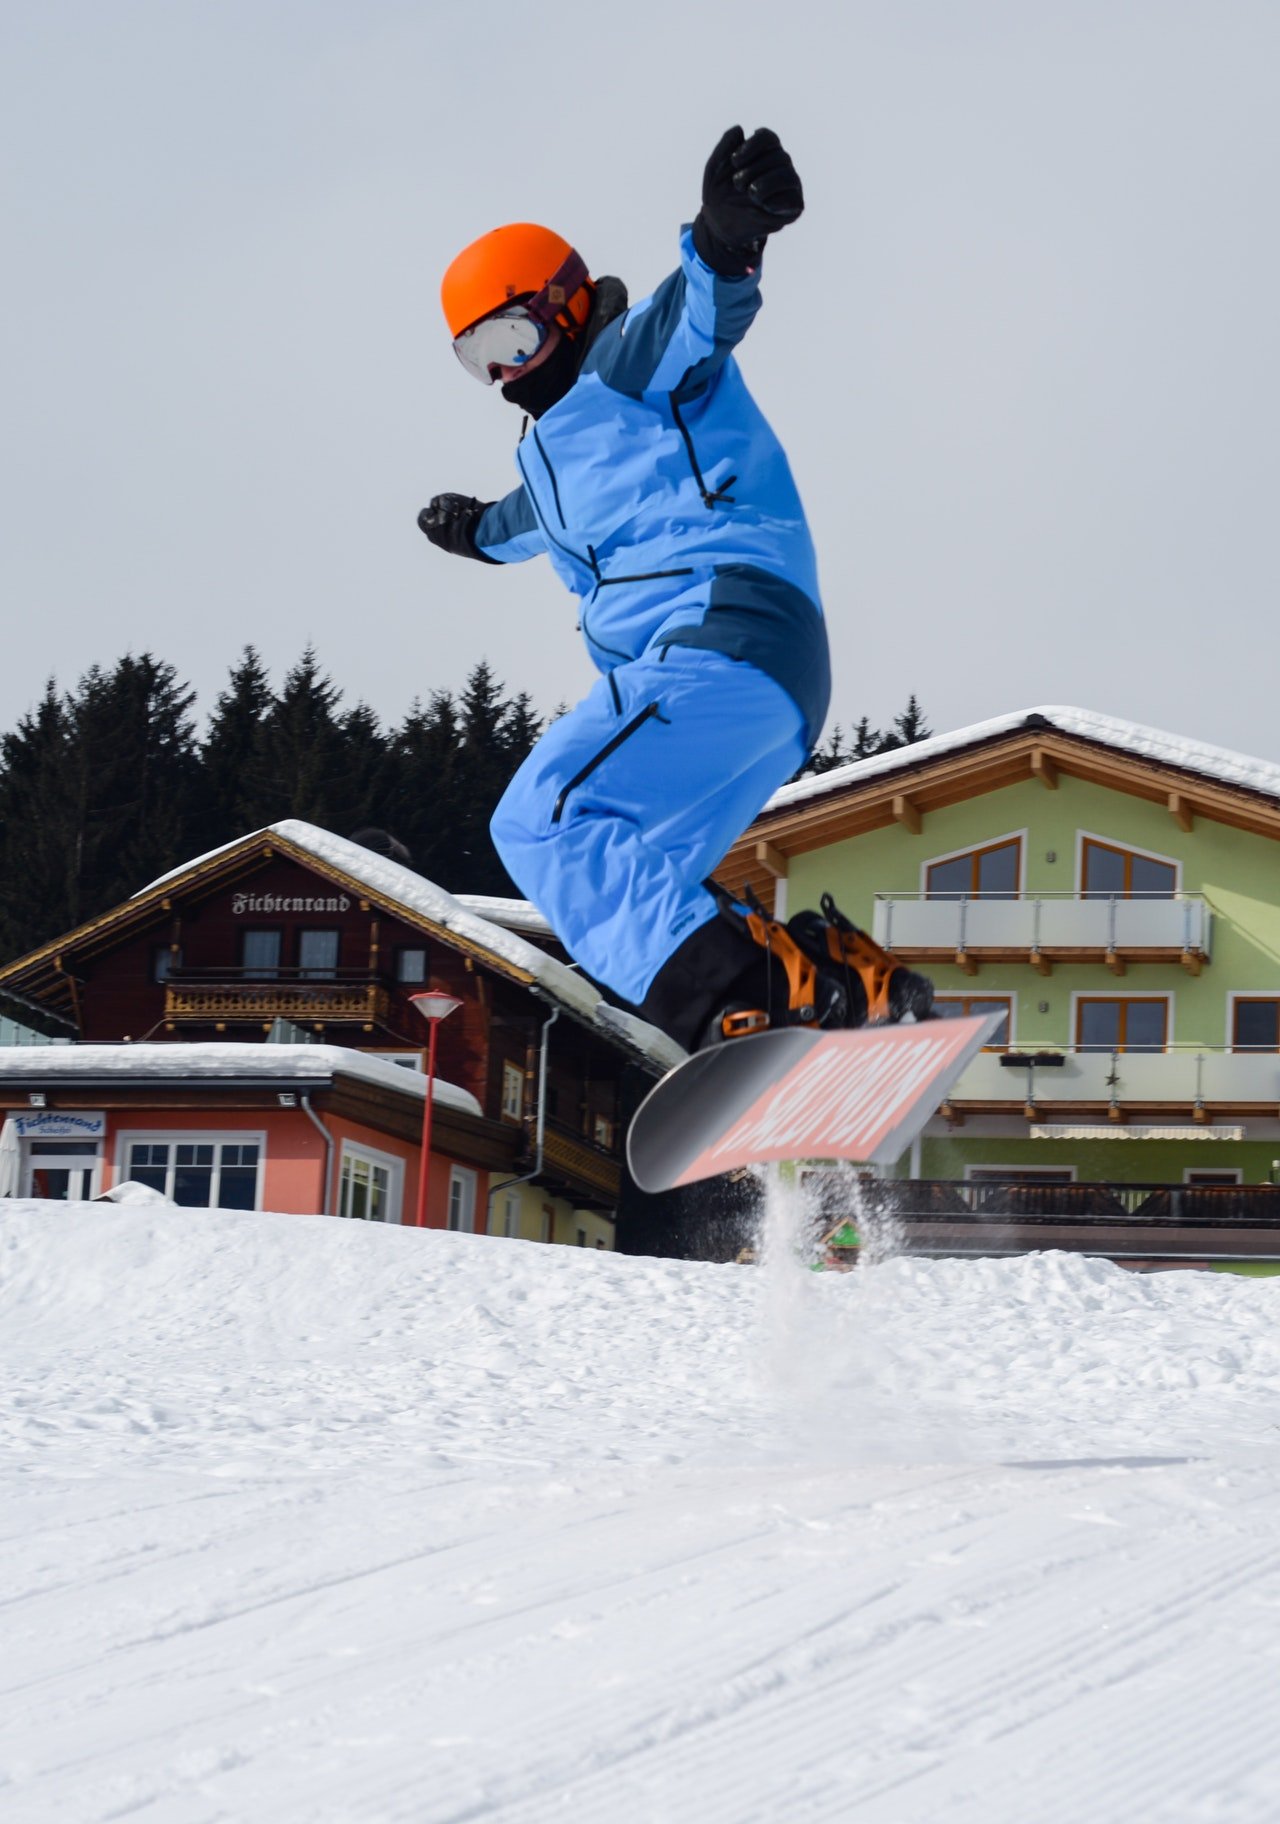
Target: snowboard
[861, 1094]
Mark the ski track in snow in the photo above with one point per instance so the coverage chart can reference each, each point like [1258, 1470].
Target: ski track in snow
[319, 1523]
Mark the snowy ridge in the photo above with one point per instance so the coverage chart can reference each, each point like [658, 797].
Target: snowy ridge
[330, 1524]
[297, 1064]
[514, 914]
[1134, 738]
[392, 880]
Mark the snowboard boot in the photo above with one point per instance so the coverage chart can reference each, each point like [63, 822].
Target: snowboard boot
[744, 972]
[835, 975]
[718, 966]
[878, 989]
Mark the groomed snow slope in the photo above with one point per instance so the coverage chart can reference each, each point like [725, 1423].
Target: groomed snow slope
[310, 1520]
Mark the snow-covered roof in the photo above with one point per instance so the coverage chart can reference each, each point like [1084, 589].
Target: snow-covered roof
[391, 880]
[1134, 738]
[293, 1064]
[511, 914]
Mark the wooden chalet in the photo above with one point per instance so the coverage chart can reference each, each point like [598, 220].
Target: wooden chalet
[293, 933]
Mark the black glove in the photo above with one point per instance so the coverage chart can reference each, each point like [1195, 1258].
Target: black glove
[749, 190]
[450, 522]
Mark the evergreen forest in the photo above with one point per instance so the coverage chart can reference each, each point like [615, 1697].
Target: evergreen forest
[105, 786]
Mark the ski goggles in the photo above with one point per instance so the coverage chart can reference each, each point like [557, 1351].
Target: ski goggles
[508, 339]
[512, 337]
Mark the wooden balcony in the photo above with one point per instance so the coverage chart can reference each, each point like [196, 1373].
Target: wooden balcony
[1196, 1084]
[586, 1172]
[1047, 930]
[1145, 1224]
[229, 998]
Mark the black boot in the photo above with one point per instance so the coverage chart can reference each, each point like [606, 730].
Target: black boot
[718, 969]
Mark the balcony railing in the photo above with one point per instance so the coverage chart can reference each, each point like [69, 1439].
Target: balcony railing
[1194, 1079]
[1150, 1224]
[586, 1168]
[231, 997]
[1025, 1199]
[1047, 929]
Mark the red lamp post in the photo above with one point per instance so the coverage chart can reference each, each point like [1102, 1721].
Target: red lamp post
[433, 1007]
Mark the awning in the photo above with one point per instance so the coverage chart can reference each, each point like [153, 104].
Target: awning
[1117, 1130]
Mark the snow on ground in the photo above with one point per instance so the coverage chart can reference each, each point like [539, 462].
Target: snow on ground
[306, 1520]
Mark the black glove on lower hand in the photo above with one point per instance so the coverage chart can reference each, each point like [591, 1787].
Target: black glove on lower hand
[749, 190]
[450, 522]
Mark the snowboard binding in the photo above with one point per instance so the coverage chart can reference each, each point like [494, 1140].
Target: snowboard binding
[834, 974]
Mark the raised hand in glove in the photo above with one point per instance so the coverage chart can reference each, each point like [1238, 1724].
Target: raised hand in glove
[749, 190]
[450, 522]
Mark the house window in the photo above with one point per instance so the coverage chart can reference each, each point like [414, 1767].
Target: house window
[505, 1218]
[1122, 1023]
[166, 959]
[260, 953]
[1111, 873]
[512, 1092]
[1222, 1174]
[1255, 1024]
[462, 1199]
[369, 1185]
[199, 1171]
[956, 1006]
[987, 873]
[317, 955]
[602, 1132]
[411, 967]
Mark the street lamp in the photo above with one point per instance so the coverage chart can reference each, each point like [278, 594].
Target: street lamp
[433, 1007]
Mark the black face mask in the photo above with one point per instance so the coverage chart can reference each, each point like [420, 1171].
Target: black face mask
[547, 385]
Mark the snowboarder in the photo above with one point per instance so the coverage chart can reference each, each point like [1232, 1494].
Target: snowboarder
[665, 502]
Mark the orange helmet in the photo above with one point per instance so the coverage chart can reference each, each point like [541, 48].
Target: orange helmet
[518, 261]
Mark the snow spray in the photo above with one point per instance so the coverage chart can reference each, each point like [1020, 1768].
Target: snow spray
[833, 1348]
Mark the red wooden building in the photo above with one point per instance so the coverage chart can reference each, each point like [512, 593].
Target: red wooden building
[292, 932]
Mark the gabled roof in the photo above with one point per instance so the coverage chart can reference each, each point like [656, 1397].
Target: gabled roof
[367, 876]
[1192, 778]
[1199, 759]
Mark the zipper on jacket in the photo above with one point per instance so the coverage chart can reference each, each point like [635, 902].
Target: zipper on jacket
[610, 747]
[711, 499]
[541, 518]
[645, 576]
[551, 477]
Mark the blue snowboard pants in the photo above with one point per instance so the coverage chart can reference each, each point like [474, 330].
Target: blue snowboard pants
[629, 801]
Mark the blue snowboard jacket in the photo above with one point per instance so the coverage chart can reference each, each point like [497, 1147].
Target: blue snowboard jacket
[664, 499]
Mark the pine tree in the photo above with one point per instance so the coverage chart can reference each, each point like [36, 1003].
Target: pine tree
[422, 783]
[133, 776]
[823, 759]
[911, 726]
[37, 827]
[296, 765]
[484, 770]
[358, 795]
[521, 726]
[908, 727]
[230, 744]
[866, 740]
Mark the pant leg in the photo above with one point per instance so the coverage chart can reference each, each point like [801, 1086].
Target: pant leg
[627, 803]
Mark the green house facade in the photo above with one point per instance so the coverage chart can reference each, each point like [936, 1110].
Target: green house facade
[1113, 890]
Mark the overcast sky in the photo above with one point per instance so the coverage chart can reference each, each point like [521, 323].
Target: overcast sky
[1021, 348]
